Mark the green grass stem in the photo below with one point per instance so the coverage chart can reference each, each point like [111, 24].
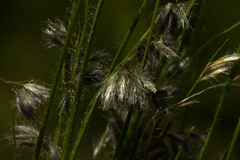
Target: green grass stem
[83, 128]
[123, 134]
[77, 56]
[184, 144]
[127, 37]
[129, 136]
[150, 34]
[101, 143]
[234, 140]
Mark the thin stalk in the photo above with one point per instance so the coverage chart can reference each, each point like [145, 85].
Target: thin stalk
[59, 125]
[101, 143]
[123, 134]
[211, 39]
[194, 85]
[75, 9]
[184, 144]
[65, 87]
[160, 66]
[130, 134]
[127, 37]
[14, 137]
[223, 157]
[77, 56]
[75, 106]
[82, 129]
[234, 140]
[150, 34]
[220, 106]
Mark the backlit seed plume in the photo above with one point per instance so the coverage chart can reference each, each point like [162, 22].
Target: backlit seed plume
[171, 16]
[222, 65]
[29, 97]
[223, 61]
[55, 34]
[126, 88]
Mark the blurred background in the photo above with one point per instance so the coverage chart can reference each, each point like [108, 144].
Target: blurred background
[23, 56]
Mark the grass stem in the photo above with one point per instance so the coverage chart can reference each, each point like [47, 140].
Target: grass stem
[234, 140]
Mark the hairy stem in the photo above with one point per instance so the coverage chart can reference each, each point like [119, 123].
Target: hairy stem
[127, 37]
[123, 134]
[234, 140]
[75, 9]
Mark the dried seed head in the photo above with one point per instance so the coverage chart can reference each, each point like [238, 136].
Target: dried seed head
[29, 97]
[216, 72]
[40, 92]
[132, 88]
[223, 61]
[94, 75]
[222, 65]
[26, 136]
[170, 16]
[121, 88]
[166, 47]
[109, 90]
[55, 34]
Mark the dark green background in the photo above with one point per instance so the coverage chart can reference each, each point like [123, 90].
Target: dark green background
[24, 57]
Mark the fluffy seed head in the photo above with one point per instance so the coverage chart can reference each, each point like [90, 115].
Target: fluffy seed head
[126, 89]
[170, 16]
[55, 34]
[165, 47]
[26, 136]
[222, 65]
[29, 97]
[223, 61]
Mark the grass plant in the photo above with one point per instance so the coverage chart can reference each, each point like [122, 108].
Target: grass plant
[136, 90]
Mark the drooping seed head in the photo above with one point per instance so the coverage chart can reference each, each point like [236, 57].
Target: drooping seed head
[55, 34]
[29, 97]
[222, 65]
